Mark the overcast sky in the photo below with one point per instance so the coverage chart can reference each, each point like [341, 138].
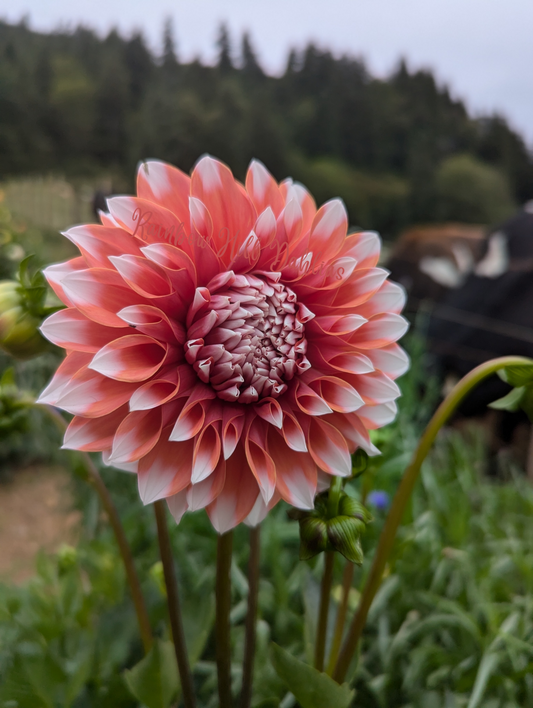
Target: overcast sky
[483, 49]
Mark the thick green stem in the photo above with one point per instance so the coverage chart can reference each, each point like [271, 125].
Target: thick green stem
[334, 494]
[97, 482]
[222, 622]
[322, 626]
[386, 540]
[251, 618]
[174, 610]
[347, 580]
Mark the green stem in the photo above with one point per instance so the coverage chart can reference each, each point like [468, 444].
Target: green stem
[347, 580]
[334, 495]
[251, 618]
[173, 601]
[386, 540]
[325, 592]
[97, 482]
[222, 621]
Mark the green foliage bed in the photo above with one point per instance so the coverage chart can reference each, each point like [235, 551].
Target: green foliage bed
[451, 627]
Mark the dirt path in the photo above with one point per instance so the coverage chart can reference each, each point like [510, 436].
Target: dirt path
[35, 514]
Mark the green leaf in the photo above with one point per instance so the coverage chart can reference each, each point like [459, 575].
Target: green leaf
[510, 402]
[311, 688]
[154, 680]
[344, 533]
[518, 375]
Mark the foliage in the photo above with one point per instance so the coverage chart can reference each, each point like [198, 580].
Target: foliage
[81, 105]
[472, 192]
[451, 626]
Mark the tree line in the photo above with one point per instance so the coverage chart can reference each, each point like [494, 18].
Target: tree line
[398, 150]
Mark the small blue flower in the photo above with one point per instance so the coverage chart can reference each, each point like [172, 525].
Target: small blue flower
[379, 499]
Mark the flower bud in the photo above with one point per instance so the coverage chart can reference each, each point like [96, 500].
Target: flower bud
[19, 329]
[342, 532]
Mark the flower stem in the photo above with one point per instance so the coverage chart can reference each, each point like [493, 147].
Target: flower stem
[251, 618]
[325, 591]
[173, 602]
[347, 580]
[386, 540]
[97, 482]
[222, 622]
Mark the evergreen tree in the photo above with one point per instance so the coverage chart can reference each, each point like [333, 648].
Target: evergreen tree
[225, 62]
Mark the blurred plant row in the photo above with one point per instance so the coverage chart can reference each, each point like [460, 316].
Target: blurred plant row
[451, 627]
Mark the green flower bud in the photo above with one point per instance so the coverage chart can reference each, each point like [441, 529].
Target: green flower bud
[19, 329]
[67, 557]
[344, 533]
[359, 462]
[313, 537]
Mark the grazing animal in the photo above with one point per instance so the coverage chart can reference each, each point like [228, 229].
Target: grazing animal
[479, 311]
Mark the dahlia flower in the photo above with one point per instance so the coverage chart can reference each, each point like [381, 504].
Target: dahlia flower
[229, 344]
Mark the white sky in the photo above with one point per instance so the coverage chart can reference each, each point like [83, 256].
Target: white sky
[481, 48]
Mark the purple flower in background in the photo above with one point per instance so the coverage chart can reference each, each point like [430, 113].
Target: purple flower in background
[379, 499]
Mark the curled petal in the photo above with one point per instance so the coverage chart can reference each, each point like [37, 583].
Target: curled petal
[262, 188]
[375, 388]
[328, 448]
[97, 243]
[91, 395]
[177, 505]
[296, 477]
[73, 331]
[136, 436]
[201, 494]
[93, 434]
[206, 455]
[374, 417]
[165, 470]
[380, 331]
[71, 364]
[165, 185]
[309, 401]
[391, 360]
[238, 496]
[134, 357]
[328, 230]
[144, 277]
[156, 392]
[99, 294]
[232, 427]
[259, 460]
[54, 274]
[338, 394]
[153, 322]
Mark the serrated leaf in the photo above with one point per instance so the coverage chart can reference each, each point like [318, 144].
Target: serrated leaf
[510, 402]
[311, 688]
[154, 680]
[344, 533]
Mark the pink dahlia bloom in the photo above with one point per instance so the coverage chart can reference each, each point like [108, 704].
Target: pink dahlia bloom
[229, 344]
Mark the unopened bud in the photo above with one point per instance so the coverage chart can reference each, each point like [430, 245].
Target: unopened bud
[19, 329]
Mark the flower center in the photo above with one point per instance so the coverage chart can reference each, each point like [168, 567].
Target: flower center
[246, 336]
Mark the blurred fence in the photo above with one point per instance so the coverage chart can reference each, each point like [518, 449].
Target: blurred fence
[49, 202]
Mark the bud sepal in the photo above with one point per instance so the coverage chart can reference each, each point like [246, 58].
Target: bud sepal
[319, 531]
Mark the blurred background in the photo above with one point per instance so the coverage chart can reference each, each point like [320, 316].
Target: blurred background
[420, 117]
